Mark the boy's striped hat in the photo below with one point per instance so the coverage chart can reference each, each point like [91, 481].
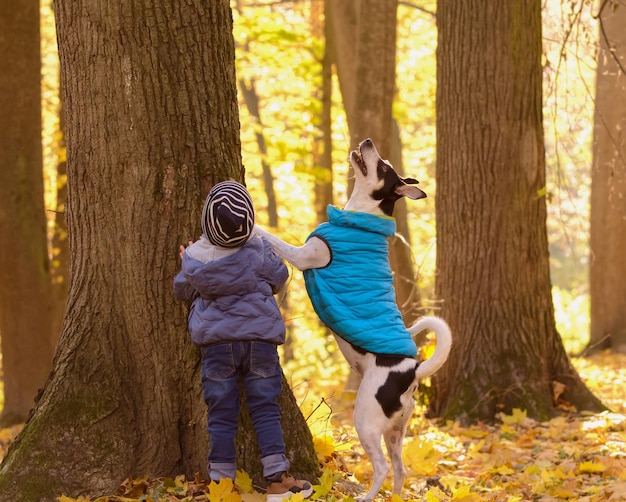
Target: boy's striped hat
[228, 215]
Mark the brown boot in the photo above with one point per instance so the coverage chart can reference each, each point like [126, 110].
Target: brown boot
[282, 486]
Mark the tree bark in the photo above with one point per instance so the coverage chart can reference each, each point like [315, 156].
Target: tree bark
[152, 124]
[25, 306]
[607, 281]
[342, 16]
[323, 145]
[492, 252]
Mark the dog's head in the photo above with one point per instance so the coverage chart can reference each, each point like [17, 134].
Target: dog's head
[377, 185]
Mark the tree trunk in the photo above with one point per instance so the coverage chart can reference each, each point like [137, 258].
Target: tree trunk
[60, 267]
[323, 145]
[152, 124]
[405, 277]
[25, 306]
[375, 74]
[608, 204]
[492, 251]
[251, 99]
[342, 16]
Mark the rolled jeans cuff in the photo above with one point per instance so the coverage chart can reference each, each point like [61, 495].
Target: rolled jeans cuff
[275, 463]
[219, 470]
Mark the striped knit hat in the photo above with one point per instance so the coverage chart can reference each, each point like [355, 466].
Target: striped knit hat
[228, 215]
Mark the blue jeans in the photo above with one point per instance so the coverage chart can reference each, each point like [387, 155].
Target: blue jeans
[256, 365]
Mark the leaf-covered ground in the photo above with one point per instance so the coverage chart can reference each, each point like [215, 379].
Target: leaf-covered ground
[578, 457]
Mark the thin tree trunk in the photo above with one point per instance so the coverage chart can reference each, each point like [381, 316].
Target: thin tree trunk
[251, 99]
[608, 187]
[323, 145]
[492, 252]
[25, 305]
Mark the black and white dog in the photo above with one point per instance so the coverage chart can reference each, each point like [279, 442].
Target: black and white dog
[384, 402]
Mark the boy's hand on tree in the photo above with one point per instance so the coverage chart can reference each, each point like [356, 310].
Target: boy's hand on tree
[182, 249]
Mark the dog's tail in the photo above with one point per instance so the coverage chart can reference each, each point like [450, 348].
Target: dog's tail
[444, 343]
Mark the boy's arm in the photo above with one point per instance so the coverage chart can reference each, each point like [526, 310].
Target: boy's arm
[182, 289]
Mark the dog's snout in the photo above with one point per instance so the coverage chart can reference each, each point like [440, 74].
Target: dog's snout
[366, 147]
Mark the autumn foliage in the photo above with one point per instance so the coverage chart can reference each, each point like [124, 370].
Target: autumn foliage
[572, 457]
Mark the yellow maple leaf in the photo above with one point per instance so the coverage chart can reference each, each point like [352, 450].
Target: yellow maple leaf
[435, 494]
[325, 483]
[516, 417]
[507, 429]
[591, 467]
[504, 470]
[324, 446]
[463, 493]
[562, 493]
[554, 476]
[532, 469]
[475, 433]
[420, 456]
[243, 482]
[561, 474]
[222, 491]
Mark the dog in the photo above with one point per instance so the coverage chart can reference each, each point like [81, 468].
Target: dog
[349, 281]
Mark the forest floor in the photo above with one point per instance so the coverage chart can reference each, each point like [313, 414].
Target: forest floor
[575, 456]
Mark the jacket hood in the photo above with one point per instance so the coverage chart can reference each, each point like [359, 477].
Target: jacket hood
[236, 274]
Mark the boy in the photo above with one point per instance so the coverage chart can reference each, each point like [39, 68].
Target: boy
[230, 277]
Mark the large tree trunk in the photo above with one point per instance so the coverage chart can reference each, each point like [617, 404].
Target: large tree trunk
[25, 306]
[492, 251]
[152, 124]
[608, 187]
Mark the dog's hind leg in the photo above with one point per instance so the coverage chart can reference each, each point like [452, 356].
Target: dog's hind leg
[393, 440]
[370, 440]
[370, 422]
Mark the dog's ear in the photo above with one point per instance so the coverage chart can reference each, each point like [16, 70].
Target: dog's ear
[410, 181]
[403, 190]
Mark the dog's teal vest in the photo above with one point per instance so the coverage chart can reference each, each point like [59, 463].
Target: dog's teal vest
[354, 294]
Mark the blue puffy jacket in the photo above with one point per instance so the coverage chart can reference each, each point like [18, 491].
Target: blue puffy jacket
[354, 295]
[232, 297]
